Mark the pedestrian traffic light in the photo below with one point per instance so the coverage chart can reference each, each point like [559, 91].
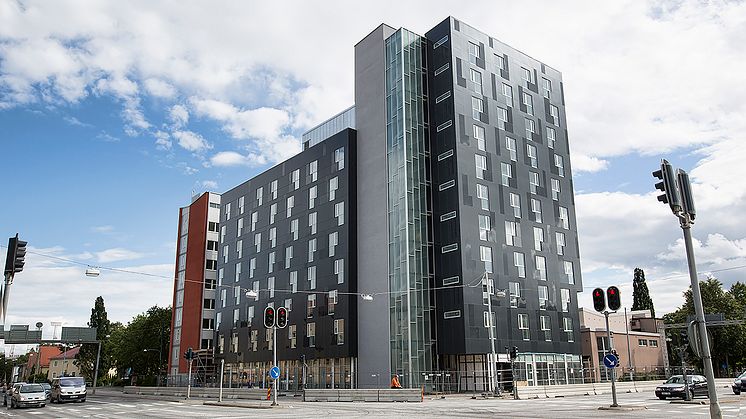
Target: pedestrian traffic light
[16, 256]
[599, 302]
[269, 317]
[615, 300]
[189, 354]
[513, 353]
[667, 184]
[684, 337]
[685, 188]
[282, 317]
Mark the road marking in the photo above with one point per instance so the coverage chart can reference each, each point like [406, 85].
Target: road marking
[36, 412]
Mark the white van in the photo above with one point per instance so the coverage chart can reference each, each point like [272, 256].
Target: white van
[68, 389]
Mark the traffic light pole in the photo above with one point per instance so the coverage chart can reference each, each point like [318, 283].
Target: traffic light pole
[189, 380]
[274, 363]
[686, 225]
[493, 363]
[613, 372]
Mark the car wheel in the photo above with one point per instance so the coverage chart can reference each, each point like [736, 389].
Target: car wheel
[736, 392]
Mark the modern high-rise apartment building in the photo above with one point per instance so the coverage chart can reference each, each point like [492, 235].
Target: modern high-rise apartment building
[452, 213]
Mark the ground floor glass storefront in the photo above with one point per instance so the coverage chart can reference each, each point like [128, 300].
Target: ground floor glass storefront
[318, 373]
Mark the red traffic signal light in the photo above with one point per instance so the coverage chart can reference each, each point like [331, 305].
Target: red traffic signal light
[282, 317]
[269, 317]
[614, 297]
[599, 302]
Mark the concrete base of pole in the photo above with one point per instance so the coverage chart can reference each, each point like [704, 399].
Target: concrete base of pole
[623, 408]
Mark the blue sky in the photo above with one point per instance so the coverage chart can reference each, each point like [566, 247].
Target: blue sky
[111, 116]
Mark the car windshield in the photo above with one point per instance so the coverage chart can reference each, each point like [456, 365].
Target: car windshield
[31, 388]
[675, 380]
[72, 382]
[46, 386]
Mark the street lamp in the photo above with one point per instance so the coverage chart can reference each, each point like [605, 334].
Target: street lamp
[92, 271]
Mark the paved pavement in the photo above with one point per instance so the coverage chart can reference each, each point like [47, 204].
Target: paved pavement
[108, 404]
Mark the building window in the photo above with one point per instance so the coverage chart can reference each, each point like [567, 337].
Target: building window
[536, 209]
[554, 111]
[474, 53]
[339, 331]
[249, 314]
[312, 219]
[452, 314]
[500, 62]
[273, 237]
[444, 125]
[481, 163]
[487, 321]
[290, 205]
[238, 272]
[226, 250]
[543, 297]
[294, 282]
[339, 270]
[567, 326]
[560, 238]
[538, 239]
[239, 249]
[541, 267]
[252, 267]
[239, 228]
[555, 189]
[528, 76]
[222, 233]
[331, 301]
[208, 324]
[508, 94]
[211, 245]
[477, 107]
[234, 342]
[546, 87]
[551, 137]
[444, 155]
[311, 277]
[333, 242]
[211, 265]
[485, 255]
[569, 272]
[294, 229]
[528, 102]
[271, 262]
[506, 172]
[311, 249]
[258, 242]
[510, 145]
[511, 233]
[339, 158]
[565, 299]
[292, 336]
[483, 196]
[502, 117]
[444, 67]
[531, 154]
[530, 128]
[453, 280]
[273, 189]
[339, 212]
[515, 293]
[254, 340]
[254, 219]
[313, 170]
[255, 288]
[228, 211]
[640, 342]
[559, 163]
[212, 226]
[443, 97]
[449, 248]
[523, 326]
[333, 185]
[288, 256]
[312, 195]
[520, 264]
[288, 304]
[479, 136]
[564, 218]
[533, 182]
[653, 343]
[209, 303]
[272, 213]
[476, 79]
[448, 216]
[484, 227]
[259, 196]
[515, 203]
[295, 178]
[310, 305]
[546, 328]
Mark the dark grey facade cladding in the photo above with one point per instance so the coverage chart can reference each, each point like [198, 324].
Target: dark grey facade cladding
[326, 280]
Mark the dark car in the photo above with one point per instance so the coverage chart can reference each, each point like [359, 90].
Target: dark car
[674, 387]
[739, 384]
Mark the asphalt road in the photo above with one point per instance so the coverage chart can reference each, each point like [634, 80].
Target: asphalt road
[109, 404]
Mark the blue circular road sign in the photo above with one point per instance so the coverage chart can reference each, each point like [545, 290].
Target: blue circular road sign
[274, 373]
[611, 361]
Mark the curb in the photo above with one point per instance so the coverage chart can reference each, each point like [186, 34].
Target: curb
[242, 405]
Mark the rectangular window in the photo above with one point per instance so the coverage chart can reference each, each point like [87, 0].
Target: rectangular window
[502, 117]
[531, 154]
[564, 218]
[311, 249]
[528, 76]
[508, 94]
[653, 343]
[485, 255]
[506, 172]
[339, 331]
[554, 111]
[339, 158]
[339, 212]
[452, 314]
[520, 264]
[331, 301]
[288, 304]
[474, 53]
[254, 340]
[212, 226]
[536, 209]
[511, 233]
[444, 125]
[546, 328]
[560, 238]
[339, 270]
[271, 262]
[295, 179]
[443, 97]
[559, 163]
[272, 213]
[311, 277]
[515, 293]
[239, 248]
[479, 136]
[449, 248]
[255, 288]
[310, 305]
[523, 326]
[252, 267]
[209, 303]
[565, 299]
[294, 282]
[528, 102]
[483, 196]
[569, 272]
[249, 314]
[259, 196]
[227, 211]
[533, 182]
[333, 242]
[481, 163]
[239, 228]
[499, 62]
[640, 342]
[546, 87]
[484, 227]
[292, 336]
[551, 137]
[288, 256]
[211, 265]
[333, 186]
[223, 297]
[442, 68]
[238, 272]
[254, 220]
[311, 334]
[476, 79]
[555, 189]
[312, 195]
[477, 107]
[290, 205]
[515, 203]
[567, 323]
[312, 222]
[543, 297]
[294, 229]
[447, 216]
[440, 42]
[241, 205]
[538, 239]
[273, 189]
[258, 242]
[225, 253]
[510, 145]
[208, 324]
[541, 267]
[453, 280]
[272, 237]
[313, 170]
[222, 233]
[530, 128]
[444, 155]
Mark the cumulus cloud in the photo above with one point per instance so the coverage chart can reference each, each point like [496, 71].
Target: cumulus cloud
[191, 141]
[117, 254]
[209, 185]
[159, 88]
[179, 115]
[584, 163]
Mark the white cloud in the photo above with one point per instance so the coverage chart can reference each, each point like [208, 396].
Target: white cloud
[162, 140]
[191, 141]
[209, 185]
[232, 158]
[103, 229]
[179, 115]
[159, 88]
[117, 254]
[584, 163]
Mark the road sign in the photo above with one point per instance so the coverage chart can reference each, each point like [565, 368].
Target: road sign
[611, 361]
[695, 339]
[83, 334]
[274, 373]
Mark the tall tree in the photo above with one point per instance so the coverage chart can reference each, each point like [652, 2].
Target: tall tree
[641, 295]
[86, 358]
[142, 345]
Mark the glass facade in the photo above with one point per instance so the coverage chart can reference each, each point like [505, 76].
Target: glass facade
[406, 139]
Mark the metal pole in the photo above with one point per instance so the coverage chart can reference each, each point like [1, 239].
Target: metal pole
[512, 372]
[274, 363]
[686, 382]
[189, 381]
[715, 411]
[222, 365]
[95, 372]
[629, 348]
[6, 294]
[493, 363]
[613, 378]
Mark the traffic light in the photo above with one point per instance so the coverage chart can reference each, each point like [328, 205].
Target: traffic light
[513, 353]
[667, 184]
[684, 337]
[189, 354]
[599, 302]
[685, 188]
[16, 255]
[282, 317]
[269, 317]
[615, 300]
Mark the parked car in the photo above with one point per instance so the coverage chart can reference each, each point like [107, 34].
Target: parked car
[674, 387]
[68, 389]
[47, 389]
[739, 384]
[28, 395]
[9, 392]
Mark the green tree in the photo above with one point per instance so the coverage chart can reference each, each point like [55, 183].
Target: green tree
[142, 346]
[86, 358]
[641, 295]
